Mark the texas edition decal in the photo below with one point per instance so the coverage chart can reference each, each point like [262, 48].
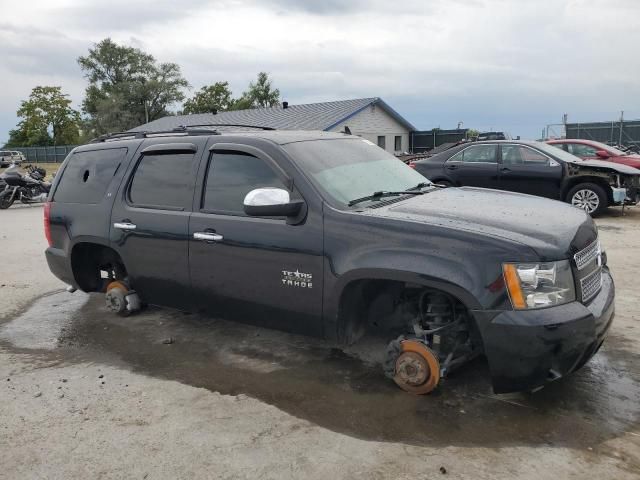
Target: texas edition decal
[297, 279]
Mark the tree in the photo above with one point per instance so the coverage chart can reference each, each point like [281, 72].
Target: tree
[127, 87]
[46, 119]
[211, 98]
[472, 133]
[259, 94]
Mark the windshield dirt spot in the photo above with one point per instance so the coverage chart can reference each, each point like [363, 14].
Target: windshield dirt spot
[341, 389]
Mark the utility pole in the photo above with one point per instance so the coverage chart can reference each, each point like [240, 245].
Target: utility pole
[621, 120]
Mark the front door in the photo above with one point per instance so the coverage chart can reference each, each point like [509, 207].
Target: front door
[526, 170]
[475, 166]
[264, 271]
[150, 221]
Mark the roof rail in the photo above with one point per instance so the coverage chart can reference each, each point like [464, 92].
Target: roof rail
[181, 130]
[259, 127]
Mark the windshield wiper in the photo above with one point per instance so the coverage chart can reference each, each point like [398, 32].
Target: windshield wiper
[382, 194]
[420, 186]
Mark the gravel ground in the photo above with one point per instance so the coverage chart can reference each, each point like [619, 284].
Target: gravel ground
[84, 394]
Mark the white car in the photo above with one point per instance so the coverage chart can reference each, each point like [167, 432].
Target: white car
[7, 157]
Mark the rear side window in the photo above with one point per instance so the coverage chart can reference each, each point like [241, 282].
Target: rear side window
[88, 174]
[477, 154]
[163, 181]
[521, 155]
[231, 175]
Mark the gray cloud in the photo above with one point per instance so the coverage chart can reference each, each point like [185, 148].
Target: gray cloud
[489, 63]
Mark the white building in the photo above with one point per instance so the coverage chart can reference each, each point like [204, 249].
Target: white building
[370, 118]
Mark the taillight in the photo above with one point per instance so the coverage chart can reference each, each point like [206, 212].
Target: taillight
[412, 164]
[47, 222]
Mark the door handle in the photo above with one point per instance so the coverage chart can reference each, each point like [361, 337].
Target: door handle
[124, 225]
[452, 167]
[208, 236]
[505, 169]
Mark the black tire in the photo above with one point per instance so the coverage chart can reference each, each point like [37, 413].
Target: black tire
[589, 196]
[5, 200]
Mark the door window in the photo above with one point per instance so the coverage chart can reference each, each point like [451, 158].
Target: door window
[230, 176]
[581, 150]
[477, 154]
[163, 181]
[521, 155]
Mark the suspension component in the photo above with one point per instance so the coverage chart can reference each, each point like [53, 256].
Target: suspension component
[119, 299]
[413, 366]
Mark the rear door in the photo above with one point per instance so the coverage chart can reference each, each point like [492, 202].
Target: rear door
[527, 170]
[263, 270]
[476, 166]
[150, 220]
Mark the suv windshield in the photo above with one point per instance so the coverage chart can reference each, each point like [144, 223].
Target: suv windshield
[351, 168]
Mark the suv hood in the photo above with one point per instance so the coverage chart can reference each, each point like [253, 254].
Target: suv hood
[553, 229]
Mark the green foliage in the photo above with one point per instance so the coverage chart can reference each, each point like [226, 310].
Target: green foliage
[46, 119]
[216, 97]
[259, 94]
[127, 87]
[472, 133]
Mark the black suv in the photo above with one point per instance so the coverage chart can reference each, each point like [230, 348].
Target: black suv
[535, 168]
[328, 235]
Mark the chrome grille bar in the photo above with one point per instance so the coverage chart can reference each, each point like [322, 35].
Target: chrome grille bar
[591, 284]
[587, 255]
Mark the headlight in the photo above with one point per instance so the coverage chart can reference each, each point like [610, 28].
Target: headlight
[538, 285]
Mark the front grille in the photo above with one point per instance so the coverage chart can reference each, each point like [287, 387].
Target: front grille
[591, 284]
[587, 255]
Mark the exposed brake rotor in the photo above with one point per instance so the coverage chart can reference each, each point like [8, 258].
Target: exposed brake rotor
[416, 367]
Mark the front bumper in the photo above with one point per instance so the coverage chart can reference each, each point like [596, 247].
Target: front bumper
[528, 348]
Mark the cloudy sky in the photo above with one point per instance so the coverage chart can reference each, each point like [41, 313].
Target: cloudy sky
[511, 65]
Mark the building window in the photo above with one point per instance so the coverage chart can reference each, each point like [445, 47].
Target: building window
[397, 143]
[381, 142]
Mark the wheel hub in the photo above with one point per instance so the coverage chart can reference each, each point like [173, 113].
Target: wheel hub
[412, 369]
[417, 369]
[586, 199]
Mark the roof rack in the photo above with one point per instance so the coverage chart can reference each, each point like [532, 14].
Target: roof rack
[180, 130]
[259, 127]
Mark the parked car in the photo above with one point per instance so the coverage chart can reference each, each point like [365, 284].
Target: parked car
[326, 234]
[534, 168]
[8, 157]
[591, 150]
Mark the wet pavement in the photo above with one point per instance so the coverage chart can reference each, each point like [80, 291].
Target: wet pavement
[341, 390]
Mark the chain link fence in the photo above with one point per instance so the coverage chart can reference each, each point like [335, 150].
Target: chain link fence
[45, 154]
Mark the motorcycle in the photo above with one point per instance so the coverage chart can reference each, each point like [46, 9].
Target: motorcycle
[28, 187]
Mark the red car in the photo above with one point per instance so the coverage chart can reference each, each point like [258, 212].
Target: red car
[590, 150]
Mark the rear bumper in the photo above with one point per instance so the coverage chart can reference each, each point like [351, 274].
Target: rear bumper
[60, 265]
[527, 349]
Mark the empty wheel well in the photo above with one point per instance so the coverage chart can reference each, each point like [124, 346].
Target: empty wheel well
[392, 309]
[94, 266]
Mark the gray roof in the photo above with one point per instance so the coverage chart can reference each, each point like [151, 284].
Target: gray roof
[311, 116]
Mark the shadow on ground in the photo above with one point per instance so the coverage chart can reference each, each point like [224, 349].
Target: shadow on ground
[344, 391]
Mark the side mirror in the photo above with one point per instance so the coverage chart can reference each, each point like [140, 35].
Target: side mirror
[271, 202]
[602, 154]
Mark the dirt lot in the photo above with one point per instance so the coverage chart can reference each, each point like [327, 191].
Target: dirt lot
[84, 394]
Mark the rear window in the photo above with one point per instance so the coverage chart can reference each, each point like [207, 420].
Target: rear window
[87, 175]
[163, 181]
